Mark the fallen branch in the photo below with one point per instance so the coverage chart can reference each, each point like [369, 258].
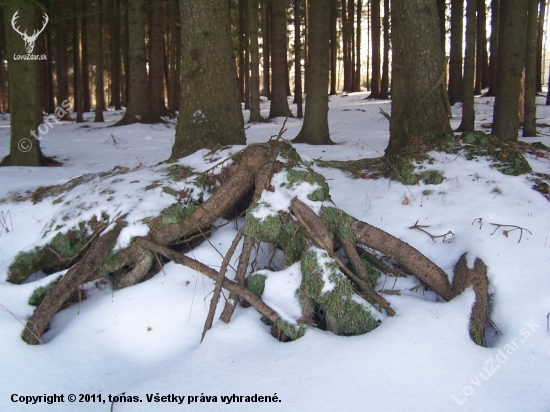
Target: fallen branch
[505, 232]
[433, 237]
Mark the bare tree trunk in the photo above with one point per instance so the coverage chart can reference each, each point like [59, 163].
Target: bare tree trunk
[345, 50]
[333, 48]
[86, 95]
[468, 110]
[115, 55]
[242, 39]
[493, 49]
[77, 78]
[530, 107]
[315, 129]
[174, 76]
[375, 32]
[266, 46]
[298, 59]
[255, 115]
[99, 85]
[351, 43]
[357, 82]
[540, 38]
[455, 62]
[511, 61]
[279, 103]
[481, 49]
[385, 83]
[210, 109]
[156, 57]
[125, 43]
[441, 9]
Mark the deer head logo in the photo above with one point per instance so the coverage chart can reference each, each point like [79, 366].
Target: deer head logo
[29, 40]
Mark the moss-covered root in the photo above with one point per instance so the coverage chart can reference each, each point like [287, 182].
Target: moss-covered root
[333, 293]
[477, 278]
[142, 261]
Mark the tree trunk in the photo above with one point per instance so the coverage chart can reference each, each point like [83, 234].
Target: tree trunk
[468, 109]
[99, 85]
[333, 48]
[255, 115]
[511, 61]
[345, 47]
[125, 47]
[86, 95]
[357, 82]
[210, 109]
[24, 92]
[540, 37]
[530, 108]
[481, 48]
[493, 48]
[77, 65]
[174, 76]
[279, 103]
[375, 32]
[266, 47]
[298, 59]
[115, 55]
[441, 11]
[385, 83]
[418, 73]
[140, 109]
[351, 43]
[455, 61]
[156, 57]
[241, 54]
[246, 61]
[315, 128]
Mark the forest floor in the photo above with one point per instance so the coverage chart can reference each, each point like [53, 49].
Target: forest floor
[143, 340]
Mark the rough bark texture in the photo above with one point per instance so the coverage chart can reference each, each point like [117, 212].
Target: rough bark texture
[115, 56]
[357, 74]
[481, 49]
[210, 108]
[315, 128]
[511, 61]
[333, 47]
[99, 84]
[140, 108]
[23, 90]
[540, 38]
[174, 77]
[468, 111]
[279, 104]
[493, 48]
[530, 108]
[385, 83]
[266, 47]
[298, 59]
[375, 27]
[84, 44]
[455, 62]
[418, 95]
[155, 11]
[255, 115]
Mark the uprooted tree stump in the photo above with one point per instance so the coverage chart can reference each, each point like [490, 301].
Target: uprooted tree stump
[336, 253]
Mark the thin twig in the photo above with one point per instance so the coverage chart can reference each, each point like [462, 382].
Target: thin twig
[421, 228]
[479, 220]
[521, 229]
[5, 309]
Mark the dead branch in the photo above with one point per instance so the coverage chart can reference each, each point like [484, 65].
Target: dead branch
[505, 232]
[433, 237]
[378, 263]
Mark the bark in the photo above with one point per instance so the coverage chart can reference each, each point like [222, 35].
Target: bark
[333, 48]
[255, 115]
[115, 56]
[419, 101]
[351, 43]
[385, 82]
[455, 62]
[210, 108]
[125, 47]
[441, 10]
[530, 108]
[511, 61]
[298, 59]
[266, 47]
[481, 49]
[345, 47]
[375, 32]
[493, 48]
[99, 84]
[24, 92]
[84, 43]
[540, 39]
[77, 64]
[279, 103]
[241, 51]
[315, 128]
[174, 73]
[156, 57]
[357, 81]
[468, 109]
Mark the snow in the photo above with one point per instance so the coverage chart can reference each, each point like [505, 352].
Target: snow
[145, 339]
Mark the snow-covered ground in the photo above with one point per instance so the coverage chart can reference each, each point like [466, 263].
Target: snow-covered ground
[143, 341]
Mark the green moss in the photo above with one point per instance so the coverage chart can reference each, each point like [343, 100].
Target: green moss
[174, 213]
[40, 292]
[276, 229]
[292, 331]
[474, 335]
[476, 138]
[337, 222]
[178, 172]
[343, 314]
[298, 176]
[433, 177]
[291, 155]
[256, 284]
[374, 275]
